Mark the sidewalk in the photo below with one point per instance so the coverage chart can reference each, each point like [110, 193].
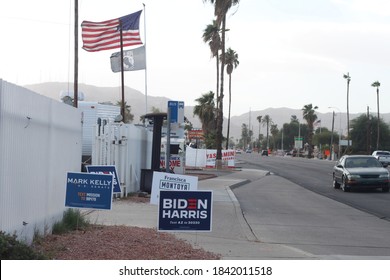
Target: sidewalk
[231, 237]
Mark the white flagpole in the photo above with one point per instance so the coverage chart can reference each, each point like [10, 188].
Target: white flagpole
[146, 68]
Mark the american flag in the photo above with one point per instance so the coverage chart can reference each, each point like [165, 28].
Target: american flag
[105, 35]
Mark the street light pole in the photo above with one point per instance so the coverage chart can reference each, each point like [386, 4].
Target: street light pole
[338, 153]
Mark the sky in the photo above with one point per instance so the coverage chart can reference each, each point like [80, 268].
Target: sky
[291, 52]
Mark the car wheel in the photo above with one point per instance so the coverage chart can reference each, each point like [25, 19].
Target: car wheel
[344, 185]
[385, 189]
[336, 185]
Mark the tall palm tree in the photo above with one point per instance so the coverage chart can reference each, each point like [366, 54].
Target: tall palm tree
[274, 132]
[377, 84]
[205, 110]
[267, 121]
[310, 116]
[259, 120]
[348, 78]
[221, 8]
[212, 37]
[231, 60]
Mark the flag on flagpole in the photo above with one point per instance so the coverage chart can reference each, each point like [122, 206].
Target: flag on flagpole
[105, 35]
[133, 60]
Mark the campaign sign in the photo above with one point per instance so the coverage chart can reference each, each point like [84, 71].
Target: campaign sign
[106, 169]
[87, 190]
[185, 211]
[171, 182]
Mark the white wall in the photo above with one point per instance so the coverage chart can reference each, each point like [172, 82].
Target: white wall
[40, 141]
[126, 146]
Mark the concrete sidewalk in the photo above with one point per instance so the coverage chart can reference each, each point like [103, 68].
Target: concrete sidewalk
[231, 236]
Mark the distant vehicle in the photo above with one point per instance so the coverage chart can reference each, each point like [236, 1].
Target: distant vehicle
[360, 171]
[238, 151]
[383, 157]
[248, 151]
[264, 153]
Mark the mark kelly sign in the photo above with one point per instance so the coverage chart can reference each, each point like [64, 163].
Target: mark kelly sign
[185, 211]
[171, 182]
[87, 190]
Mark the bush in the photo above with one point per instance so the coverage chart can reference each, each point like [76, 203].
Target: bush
[12, 249]
[71, 220]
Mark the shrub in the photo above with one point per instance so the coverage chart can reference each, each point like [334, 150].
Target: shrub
[71, 220]
[12, 249]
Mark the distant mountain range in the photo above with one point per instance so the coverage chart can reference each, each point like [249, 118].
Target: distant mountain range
[136, 100]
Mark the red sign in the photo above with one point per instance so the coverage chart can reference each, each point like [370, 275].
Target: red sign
[195, 134]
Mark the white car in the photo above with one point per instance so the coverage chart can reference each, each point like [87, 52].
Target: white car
[383, 157]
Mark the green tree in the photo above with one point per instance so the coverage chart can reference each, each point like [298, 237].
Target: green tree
[129, 117]
[363, 133]
[267, 121]
[221, 8]
[205, 110]
[274, 132]
[231, 60]
[212, 37]
[310, 116]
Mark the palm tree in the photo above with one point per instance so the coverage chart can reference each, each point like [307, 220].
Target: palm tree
[274, 132]
[231, 60]
[267, 121]
[346, 76]
[310, 116]
[377, 84]
[221, 7]
[259, 120]
[128, 117]
[205, 110]
[212, 37]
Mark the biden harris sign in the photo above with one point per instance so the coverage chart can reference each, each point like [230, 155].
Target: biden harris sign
[185, 211]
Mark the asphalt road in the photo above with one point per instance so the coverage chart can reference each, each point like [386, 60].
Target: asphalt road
[316, 175]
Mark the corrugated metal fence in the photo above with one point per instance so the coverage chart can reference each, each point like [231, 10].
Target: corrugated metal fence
[40, 141]
[126, 146]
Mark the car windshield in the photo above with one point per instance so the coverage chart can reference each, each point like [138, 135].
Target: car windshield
[383, 153]
[361, 162]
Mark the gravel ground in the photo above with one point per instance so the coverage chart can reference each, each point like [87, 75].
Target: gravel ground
[120, 243]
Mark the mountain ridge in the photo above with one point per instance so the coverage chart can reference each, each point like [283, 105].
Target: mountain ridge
[136, 100]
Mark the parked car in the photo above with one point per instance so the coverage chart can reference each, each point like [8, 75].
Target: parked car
[248, 151]
[360, 171]
[238, 151]
[264, 153]
[383, 157]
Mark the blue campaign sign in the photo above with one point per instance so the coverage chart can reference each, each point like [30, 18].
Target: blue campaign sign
[185, 211]
[87, 190]
[106, 169]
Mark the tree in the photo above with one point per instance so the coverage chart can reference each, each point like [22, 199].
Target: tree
[221, 8]
[212, 37]
[363, 129]
[310, 116]
[348, 78]
[267, 121]
[259, 120]
[377, 85]
[231, 60]
[274, 132]
[129, 117]
[205, 110]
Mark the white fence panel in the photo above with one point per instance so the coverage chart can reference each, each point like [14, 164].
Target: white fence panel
[40, 141]
[126, 146]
